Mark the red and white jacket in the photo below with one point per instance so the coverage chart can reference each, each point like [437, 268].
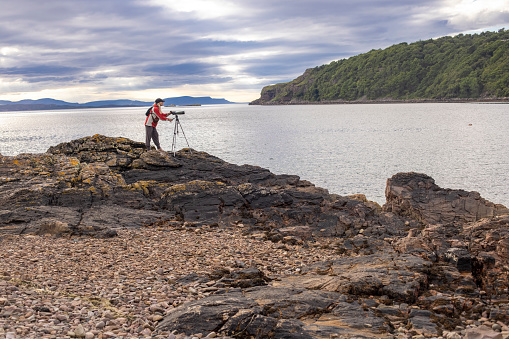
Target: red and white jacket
[154, 116]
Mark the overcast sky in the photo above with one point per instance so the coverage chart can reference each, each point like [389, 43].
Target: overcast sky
[87, 50]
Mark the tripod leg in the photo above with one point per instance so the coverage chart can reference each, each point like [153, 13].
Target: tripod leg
[174, 143]
[186, 139]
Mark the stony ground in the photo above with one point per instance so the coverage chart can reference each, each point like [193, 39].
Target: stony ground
[61, 287]
[68, 287]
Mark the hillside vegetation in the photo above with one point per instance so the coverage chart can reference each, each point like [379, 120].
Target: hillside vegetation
[464, 66]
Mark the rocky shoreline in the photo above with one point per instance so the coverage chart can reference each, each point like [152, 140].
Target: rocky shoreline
[101, 239]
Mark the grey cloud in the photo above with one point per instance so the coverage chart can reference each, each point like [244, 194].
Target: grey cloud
[214, 47]
[165, 81]
[293, 65]
[180, 69]
[51, 80]
[38, 70]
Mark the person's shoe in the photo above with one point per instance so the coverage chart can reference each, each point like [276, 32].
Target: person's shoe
[161, 150]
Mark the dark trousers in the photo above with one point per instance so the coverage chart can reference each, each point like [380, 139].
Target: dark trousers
[151, 134]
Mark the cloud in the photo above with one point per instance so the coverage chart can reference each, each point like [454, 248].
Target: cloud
[464, 14]
[89, 49]
[38, 70]
[201, 9]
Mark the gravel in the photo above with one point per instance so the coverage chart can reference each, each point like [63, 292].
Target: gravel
[82, 287]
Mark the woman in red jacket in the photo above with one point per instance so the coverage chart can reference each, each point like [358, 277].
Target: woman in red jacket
[151, 124]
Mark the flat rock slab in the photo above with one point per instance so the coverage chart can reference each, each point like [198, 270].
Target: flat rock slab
[208, 314]
[275, 312]
[400, 277]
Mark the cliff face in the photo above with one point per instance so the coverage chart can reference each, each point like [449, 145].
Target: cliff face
[287, 93]
[442, 251]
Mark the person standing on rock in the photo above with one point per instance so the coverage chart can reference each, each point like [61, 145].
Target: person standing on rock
[153, 118]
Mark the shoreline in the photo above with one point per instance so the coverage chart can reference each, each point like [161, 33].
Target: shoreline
[384, 101]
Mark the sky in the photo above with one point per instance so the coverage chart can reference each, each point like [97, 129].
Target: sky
[88, 50]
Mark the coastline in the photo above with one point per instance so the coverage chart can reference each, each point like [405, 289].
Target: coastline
[385, 101]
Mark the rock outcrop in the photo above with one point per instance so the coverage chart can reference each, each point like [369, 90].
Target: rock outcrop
[98, 182]
[417, 196]
[429, 260]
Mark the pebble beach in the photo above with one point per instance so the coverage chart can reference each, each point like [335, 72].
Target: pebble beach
[81, 287]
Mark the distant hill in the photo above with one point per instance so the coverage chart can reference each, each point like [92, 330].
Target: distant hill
[461, 67]
[46, 101]
[51, 104]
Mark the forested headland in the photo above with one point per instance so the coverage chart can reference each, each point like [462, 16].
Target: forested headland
[463, 67]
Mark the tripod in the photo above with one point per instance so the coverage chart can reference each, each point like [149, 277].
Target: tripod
[175, 133]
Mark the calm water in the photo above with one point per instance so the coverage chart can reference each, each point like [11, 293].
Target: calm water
[347, 149]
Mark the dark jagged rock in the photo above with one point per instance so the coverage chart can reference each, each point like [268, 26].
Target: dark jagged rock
[417, 196]
[459, 257]
[425, 262]
[111, 182]
[208, 314]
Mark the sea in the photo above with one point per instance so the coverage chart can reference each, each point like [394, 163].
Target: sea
[345, 148]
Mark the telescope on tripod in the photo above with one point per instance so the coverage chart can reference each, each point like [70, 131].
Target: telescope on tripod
[176, 129]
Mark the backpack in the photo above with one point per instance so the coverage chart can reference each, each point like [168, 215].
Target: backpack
[149, 110]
